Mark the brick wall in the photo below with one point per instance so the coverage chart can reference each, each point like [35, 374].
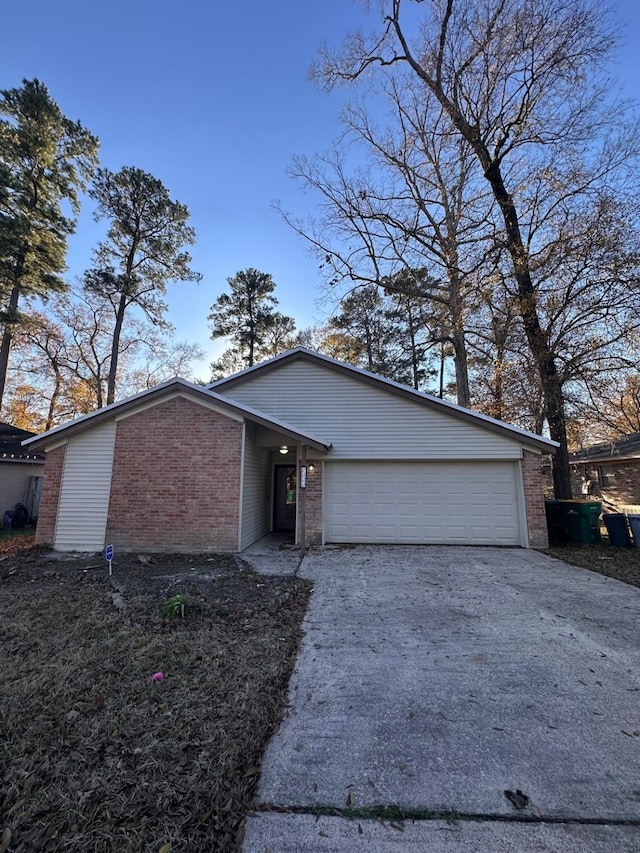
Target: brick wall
[534, 500]
[176, 480]
[624, 490]
[47, 514]
[313, 510]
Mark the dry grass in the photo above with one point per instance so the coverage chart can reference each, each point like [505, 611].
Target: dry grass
[94, 755]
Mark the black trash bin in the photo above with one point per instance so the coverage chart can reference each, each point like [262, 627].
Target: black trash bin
[634, 524]
[616, 524]
[556, 527]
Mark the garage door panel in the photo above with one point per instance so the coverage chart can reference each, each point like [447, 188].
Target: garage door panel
[431, 503]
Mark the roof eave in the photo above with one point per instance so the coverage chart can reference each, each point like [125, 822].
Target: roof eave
[172, 386]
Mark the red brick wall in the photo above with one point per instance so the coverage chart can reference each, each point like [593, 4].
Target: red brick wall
[534, 500]
[623, 491]
[47, 514]
[176, 480]
[313, 509]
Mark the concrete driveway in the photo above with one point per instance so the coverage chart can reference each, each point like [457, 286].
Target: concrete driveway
[437, 678]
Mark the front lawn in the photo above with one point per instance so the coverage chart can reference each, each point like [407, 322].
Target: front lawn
[97, 756]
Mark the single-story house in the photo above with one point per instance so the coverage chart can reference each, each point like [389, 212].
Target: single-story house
[300, 443]
[21, 471]
[612, 471]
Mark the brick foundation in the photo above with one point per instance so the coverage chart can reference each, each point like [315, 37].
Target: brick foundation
[48, 512]
[176, 480]
[534, 500]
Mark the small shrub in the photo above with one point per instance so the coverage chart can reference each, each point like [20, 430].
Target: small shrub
[174, 606]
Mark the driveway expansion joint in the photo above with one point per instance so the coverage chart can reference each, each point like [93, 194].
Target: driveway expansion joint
[397, 814]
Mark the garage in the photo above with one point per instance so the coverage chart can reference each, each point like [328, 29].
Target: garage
[443, 503]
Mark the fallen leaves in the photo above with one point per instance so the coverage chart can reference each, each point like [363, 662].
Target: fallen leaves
[113, 762]
[5, 839]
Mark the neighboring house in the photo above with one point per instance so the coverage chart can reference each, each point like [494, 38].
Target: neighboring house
[299, 443]
[613, 471]
[21, 471]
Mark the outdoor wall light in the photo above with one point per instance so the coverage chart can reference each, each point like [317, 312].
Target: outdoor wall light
[284, 449]
[311, 467]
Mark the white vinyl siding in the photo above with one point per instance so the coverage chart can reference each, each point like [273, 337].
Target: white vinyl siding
[365, 422]
[14, 479]
[256, 502]
[454, 503]
[85, 488]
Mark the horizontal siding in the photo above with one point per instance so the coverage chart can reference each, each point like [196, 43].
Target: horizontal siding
[256, 503]
[14, 478]
[433, 503]
[364, 422]
[84, 495]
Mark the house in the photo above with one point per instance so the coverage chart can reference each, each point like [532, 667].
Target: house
[300, 443]
[613, 471]
[21, 471]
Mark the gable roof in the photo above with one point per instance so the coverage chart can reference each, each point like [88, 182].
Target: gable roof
[625, 447]
[168, 389]
[545, 445]
[11, 449]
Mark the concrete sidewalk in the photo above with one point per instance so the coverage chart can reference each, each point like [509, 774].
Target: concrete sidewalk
[436, 678]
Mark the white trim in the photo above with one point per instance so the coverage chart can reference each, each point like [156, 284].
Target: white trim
[522, 505]
[241, 489]
[56, 445]
[324, 498]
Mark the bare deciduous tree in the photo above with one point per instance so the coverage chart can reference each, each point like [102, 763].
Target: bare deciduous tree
[523, 85]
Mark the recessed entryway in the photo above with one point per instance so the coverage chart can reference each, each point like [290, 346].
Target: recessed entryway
[284, 500]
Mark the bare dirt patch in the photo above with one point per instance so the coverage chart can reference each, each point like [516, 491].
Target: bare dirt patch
[620, 563]
[97, 756]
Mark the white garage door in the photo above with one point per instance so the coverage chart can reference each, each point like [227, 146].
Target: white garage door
[455, 503]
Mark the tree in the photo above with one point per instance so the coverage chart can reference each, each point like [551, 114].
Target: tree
[143, 251]
[413, 217]
[246, 314]
[522, 84]
[45, 161]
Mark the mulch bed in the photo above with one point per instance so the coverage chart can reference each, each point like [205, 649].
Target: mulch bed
[94, 754]
[620, 563]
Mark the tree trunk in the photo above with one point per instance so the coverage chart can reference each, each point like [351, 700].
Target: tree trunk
[115, 350]
[414, 352]
[462, 371]
[457, 315]
[540, 351]
[7, 337]
[536, 338]
[441, 378]
[54, 398]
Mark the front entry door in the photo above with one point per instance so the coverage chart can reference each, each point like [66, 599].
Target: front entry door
[285, 498]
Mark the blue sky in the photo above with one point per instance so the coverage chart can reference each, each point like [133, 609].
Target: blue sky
[214, 99]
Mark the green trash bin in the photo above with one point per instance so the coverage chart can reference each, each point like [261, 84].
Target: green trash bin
[582, 521]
